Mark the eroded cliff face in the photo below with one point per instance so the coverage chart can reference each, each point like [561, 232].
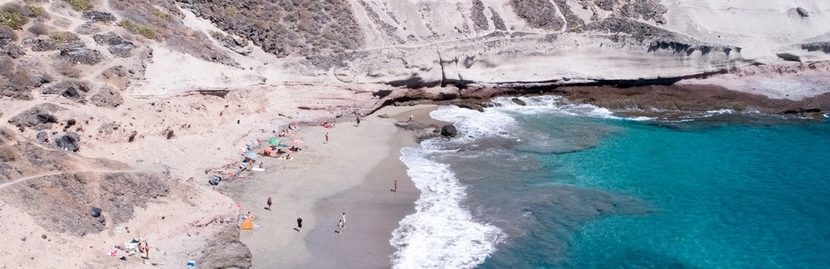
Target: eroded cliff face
[513, 42]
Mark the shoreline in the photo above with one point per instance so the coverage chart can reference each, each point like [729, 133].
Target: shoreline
[353, 173]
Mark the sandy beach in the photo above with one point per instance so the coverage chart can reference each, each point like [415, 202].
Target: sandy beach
[352, 173]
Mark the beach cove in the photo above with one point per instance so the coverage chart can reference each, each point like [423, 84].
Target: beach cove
[353, 173]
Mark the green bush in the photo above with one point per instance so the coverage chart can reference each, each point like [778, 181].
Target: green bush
[81, 5]
[63, 37]
[13, 19]
[162, 15]
[35, 11]
[135, 28]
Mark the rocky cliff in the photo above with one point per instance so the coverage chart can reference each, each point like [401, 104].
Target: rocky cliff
[517, 42]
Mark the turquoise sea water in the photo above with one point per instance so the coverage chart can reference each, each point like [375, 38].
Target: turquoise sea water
[552, 184]
[691, 195]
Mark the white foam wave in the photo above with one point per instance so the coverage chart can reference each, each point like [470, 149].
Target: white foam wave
[440, 234]
[497, 121]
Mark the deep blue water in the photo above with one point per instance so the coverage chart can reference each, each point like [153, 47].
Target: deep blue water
[580, 192]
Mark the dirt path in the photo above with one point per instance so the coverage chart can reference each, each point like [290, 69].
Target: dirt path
[100, 171]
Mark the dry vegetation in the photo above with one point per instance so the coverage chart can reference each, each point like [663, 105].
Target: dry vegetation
[81, 5]
[283, 27]
[138, 29]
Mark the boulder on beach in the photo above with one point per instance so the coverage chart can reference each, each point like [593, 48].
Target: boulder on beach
[449, 130]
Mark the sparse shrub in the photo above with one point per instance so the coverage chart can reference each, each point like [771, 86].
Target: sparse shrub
[35, 11]
[63, 37]
[217, 35]
[7, 154]
[39, 29]
[80, 5]
[162, 15]
[11, 15]
[135, 28]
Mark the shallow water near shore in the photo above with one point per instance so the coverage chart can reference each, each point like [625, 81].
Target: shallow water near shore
[555, 185]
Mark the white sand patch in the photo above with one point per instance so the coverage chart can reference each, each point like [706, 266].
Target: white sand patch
[171, 72]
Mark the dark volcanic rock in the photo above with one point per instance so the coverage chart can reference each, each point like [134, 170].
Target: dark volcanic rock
[69, 141]
[518, 101]
[98, 16]
[538, 13]
[449, 130]
[95, 212]
[117, 45]
[42, 137]
[802, 12]
[477, 13]
[38, 117]
[7, 45]
[284, 27]
[54, 41]
[81, 55]
[107, 97]
[498, 22]
[74, 90]
[122, 50]
[789, 57]
[108, 38]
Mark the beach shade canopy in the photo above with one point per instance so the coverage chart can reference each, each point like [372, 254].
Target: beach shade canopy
[297, 142]
[250, 154]
[247, 224]
[273, 141]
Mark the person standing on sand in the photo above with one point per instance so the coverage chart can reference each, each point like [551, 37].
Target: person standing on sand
[327, 137]
[340, 226]
[395, 186]
[299, 224]
[268, 204]
[342, 222]
[357, 118]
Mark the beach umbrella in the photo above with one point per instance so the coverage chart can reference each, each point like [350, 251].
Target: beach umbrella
[297, 142]
[250, 154]
[273, 141]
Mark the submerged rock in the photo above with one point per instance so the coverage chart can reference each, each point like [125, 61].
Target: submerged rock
[518, 101]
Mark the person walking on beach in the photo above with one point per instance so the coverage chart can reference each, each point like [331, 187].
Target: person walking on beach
[327, 137]
[268, 204]
[340, 226]
[395, 186]
[342, 223]
[299, 224]
[357, 118]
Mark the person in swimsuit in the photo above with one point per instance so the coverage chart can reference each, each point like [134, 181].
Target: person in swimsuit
[299, 224]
